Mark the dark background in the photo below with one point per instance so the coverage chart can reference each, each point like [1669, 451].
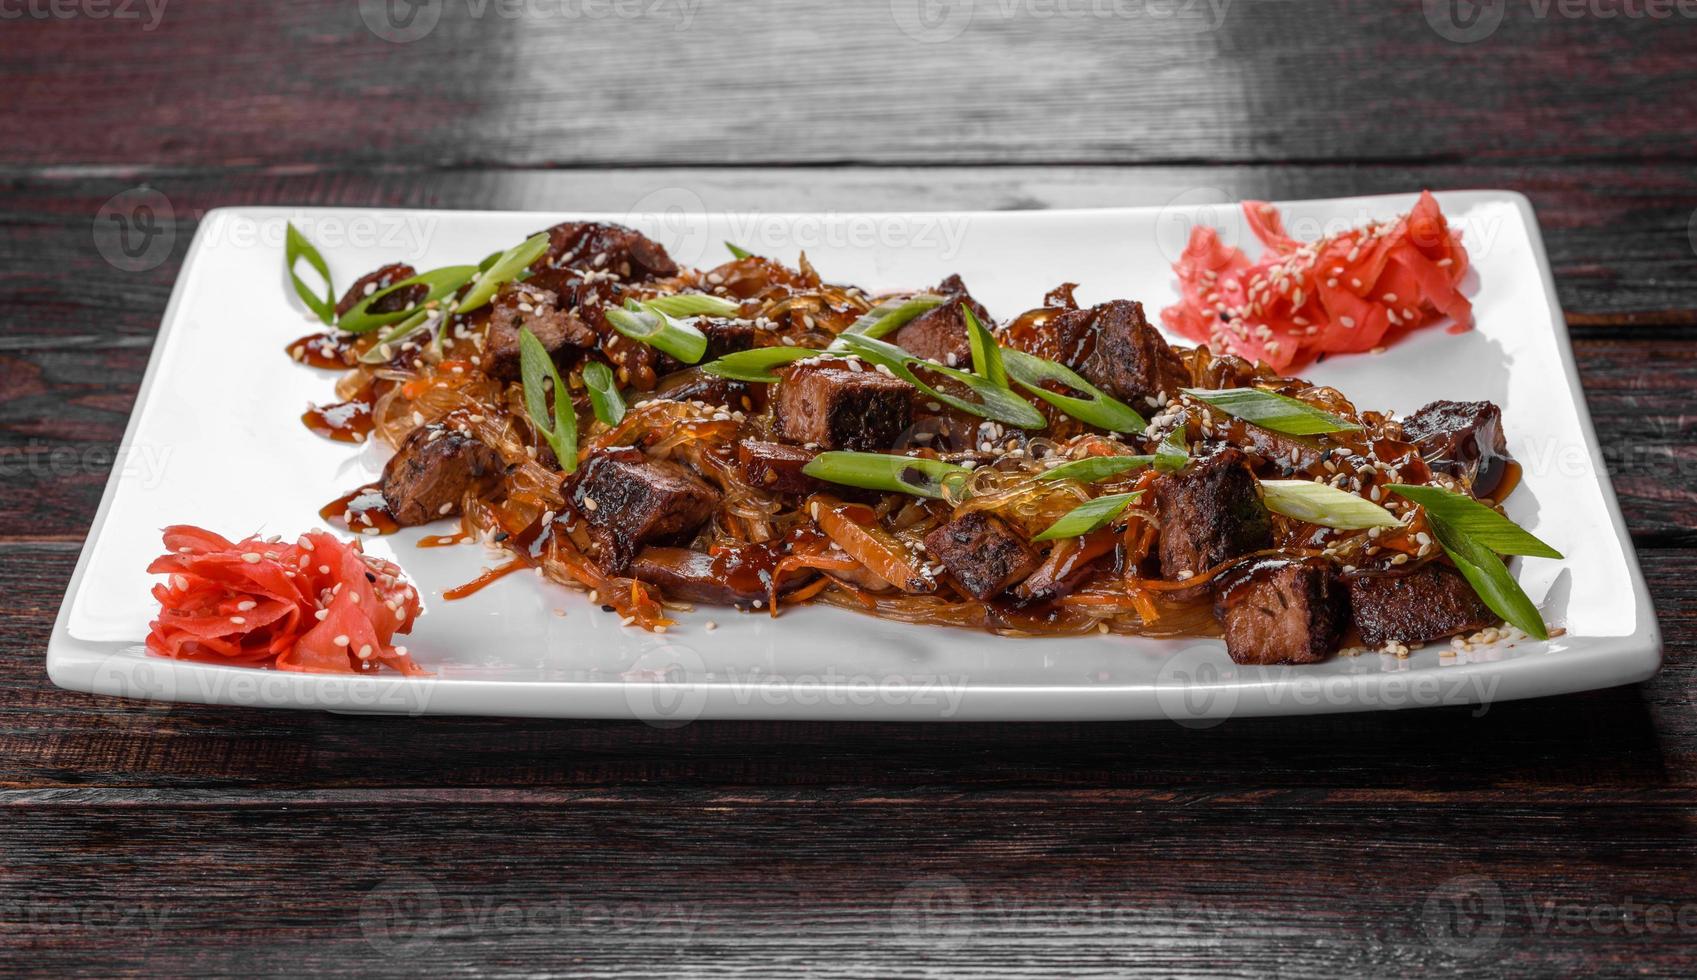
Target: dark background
[1539, 838]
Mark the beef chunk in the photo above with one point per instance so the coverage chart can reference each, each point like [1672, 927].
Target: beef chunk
[628, 500]
[1463, 438]
[517, 306]
[776, 467]
[435, 468]
[1210, 512]
[1112, 346]
[1279, 611]
[695, 385]
[1429, 603]
[723, 337]
[593, 246]
[939, 333]
[982, 553]
[732, 577]
[833, 406]
[383, 278]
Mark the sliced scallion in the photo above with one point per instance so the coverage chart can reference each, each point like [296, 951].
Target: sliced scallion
[537, 370]
[439, 282]
[1172, 454]
[1472, 518]
[891, 314]
[661, 332]
[693, 304]
[507, 266]
[604, 394]
[1089, 516]
[738, 251]
[295, 248]
[891, 474]
[1327, 506]
[1093, 468]
[1095, 406]
[757, 364]
[997, 404]
[1271, 410]
[986, 353]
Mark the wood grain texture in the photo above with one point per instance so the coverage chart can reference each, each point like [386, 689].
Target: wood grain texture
[1538, 838]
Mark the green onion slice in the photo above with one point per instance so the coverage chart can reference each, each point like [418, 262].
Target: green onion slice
[1172, 454]
[295, 248]
[891, 314]
[986, 353]
[507, 266]
[891, 474]
[1093, 468]
[661, 332]
[1095, 407]
[441, 282]
[997, 404]
[1469, 517]
[537, 370]
[757, 364]
[604, 394]
[1271, 410]
[1490, 578]
[738, 251]
[1324, 505]
[380, 352]
[1089, 516]
[693, 304]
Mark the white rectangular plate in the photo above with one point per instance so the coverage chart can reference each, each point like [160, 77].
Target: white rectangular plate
[215, 440]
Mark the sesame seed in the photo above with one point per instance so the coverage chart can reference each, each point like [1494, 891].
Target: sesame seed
[340, 641]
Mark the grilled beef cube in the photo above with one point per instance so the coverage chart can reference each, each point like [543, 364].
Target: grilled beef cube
[1210, 512]
[435, 468]
[1463, 438]
[832, 406]
[982, 553]
[383, 278]
[939, 334]
[725, 579]
[1414, 608]
[593, 246]
[628, 500]
[723, 337]
[1114, 347]
[694, 385]
[1279, 611]
[1061, 297]
[776, 467]
[517, 306]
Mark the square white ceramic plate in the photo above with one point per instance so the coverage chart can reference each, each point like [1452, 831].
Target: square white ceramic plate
[216, 440]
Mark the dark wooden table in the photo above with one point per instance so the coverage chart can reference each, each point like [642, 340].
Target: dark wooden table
[1537, 838]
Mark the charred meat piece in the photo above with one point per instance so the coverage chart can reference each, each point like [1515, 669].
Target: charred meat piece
[939, 334]
[628, 500]
[519, 306]
[435, 468]
[593, 246]
[1414, 608]
[723, 337]
[695, 385]
[732, 577]
[833, 406]
[383, 278]
[1114, 347]
[982, 553]
[1279, 611]
[1210, 512]
[1462, 438]
[776, 467]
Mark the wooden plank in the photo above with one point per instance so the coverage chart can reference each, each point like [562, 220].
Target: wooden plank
[993, 81]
